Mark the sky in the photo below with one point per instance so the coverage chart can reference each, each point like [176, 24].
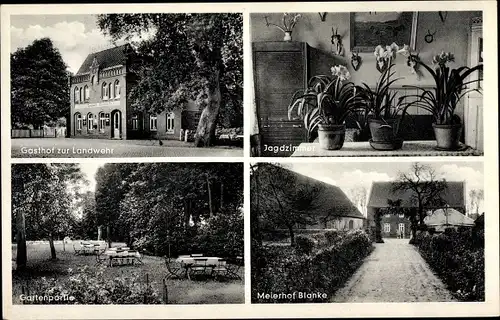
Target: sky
[355, 174]
[89, 170]
[74, 35]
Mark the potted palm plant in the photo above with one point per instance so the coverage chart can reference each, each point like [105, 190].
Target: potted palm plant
[450, 86]
[324, 106]
[384, 113]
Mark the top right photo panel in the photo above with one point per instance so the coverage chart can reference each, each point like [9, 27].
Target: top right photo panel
[355, 84]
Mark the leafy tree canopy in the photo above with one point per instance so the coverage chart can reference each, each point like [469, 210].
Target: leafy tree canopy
[39, 85]
[178, 56]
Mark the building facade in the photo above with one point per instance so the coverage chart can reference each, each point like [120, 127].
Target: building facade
[396, 225]
[100, 107]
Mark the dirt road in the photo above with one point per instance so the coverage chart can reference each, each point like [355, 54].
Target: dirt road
[394, 272]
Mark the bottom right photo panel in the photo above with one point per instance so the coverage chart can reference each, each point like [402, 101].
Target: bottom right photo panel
[332, 232]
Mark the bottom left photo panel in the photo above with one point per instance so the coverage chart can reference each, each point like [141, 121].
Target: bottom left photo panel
[127, 233]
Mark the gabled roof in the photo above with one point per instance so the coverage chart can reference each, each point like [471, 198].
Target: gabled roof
[331, 200]
[107, 58]
[381, 192]
[448, 216]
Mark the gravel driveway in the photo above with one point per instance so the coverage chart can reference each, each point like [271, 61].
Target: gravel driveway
[394, 272]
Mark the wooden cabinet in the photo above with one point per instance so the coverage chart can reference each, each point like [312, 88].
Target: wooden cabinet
[280, 69]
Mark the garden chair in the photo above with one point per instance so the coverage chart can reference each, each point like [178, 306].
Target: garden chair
[175, 271]
[100, 259]
[220, 269]
[199, 268]
[233, 269]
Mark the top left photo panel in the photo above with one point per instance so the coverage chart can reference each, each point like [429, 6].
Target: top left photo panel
[126, 85]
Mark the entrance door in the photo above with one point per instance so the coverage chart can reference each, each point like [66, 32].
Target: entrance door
[116, 125]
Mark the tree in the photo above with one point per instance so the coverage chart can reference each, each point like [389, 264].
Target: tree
[426, 191]
[39, 85]
[283, 200]
[190, 56]
[358, 196]
[475, 199]
[42, 195]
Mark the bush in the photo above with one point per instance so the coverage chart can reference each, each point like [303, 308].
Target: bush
[304, 244]
[332, 237]
[90, 287]
[281, 269]
[457, 256]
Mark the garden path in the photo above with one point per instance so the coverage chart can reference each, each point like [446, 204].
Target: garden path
[394, 272]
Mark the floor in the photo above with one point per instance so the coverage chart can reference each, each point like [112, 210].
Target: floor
[394, 272]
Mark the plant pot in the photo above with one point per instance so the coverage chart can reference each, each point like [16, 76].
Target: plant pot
[447, 135]
[331, 136]
[384, 134]
[288, 36]
[382, 131]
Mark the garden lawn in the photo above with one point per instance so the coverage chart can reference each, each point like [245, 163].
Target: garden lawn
[179, 291]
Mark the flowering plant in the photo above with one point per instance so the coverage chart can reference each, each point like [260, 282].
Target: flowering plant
[326, 100]
[289, 22]
[450, 87]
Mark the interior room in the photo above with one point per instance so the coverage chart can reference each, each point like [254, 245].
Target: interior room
[367, 83]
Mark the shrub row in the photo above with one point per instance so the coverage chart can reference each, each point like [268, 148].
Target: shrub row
[458, 258]
[87, 286]
[317, 276]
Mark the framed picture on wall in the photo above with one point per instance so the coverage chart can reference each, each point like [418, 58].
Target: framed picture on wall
[370, 29]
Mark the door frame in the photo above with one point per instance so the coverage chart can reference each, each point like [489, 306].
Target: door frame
[115, 113]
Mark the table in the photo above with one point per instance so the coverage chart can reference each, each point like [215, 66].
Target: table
[89, 248]
[363, 149]
[188, 262]
[122, 255]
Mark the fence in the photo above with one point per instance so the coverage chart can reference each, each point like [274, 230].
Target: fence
[38, 133]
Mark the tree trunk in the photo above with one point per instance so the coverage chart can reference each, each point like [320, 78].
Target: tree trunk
[22, 256]
[292, 235]
[205, 132]
[210, 198]
[99, 233]
[52, 248]
[108, 235]
[378, 227]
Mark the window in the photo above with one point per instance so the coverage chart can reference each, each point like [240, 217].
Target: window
[351, 224]
[103, 120]
[104, 91]
[117, 89]
[401, 215]
[81, 95]
[78, 118]
[170, 122]
[76, 95]
[86, 93]
[401, 227]
[90, 125]
[92, 81]
[153, 121]
[110, 90]
[387, 227]
[135, 122]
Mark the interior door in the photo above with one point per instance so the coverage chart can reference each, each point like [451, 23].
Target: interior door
[474, 102]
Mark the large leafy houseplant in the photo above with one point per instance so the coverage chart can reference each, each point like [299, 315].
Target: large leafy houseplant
[450, 86]
[324, 106]
[381, 109]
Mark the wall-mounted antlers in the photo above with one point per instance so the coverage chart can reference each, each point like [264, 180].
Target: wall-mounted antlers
[336, 40]
[322, 16]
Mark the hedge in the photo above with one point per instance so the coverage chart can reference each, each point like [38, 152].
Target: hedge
[458, 259]
[287, 272]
